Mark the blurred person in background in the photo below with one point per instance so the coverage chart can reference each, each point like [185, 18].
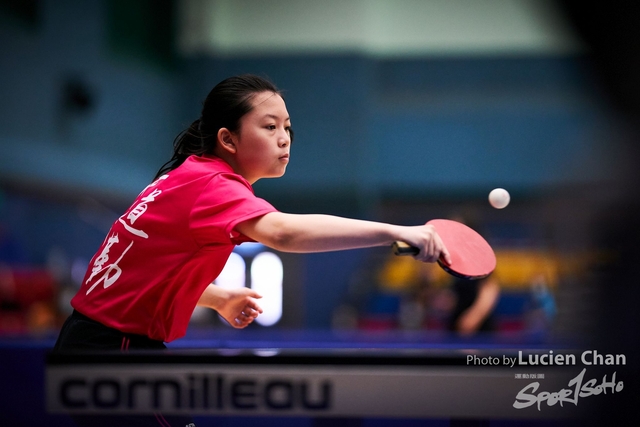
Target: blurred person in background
[475, 301]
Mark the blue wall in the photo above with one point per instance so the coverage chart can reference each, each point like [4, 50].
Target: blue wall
[113, 147]
[365, 126]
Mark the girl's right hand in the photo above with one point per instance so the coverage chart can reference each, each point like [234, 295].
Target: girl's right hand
[427, 240]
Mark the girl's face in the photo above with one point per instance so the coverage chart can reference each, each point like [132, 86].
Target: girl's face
[263, 139]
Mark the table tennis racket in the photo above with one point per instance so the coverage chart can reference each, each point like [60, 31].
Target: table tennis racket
[471, 256]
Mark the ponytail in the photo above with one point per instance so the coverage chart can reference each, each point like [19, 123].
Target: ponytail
[188, 142]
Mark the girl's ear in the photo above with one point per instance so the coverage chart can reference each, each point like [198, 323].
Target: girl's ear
[227, 140]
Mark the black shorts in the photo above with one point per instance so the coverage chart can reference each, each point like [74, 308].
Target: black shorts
[80, 333]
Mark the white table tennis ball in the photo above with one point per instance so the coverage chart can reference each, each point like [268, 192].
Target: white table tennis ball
[499, 198]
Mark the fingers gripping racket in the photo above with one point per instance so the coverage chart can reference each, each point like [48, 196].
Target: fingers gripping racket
[471, 256]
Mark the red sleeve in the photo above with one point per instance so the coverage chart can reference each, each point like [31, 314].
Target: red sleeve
[225, 201]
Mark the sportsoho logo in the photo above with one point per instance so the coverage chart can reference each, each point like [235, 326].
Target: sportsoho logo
[177, 390]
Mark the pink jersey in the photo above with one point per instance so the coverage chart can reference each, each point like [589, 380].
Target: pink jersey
[174, 240]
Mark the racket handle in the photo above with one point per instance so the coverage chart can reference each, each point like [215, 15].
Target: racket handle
[404, 249]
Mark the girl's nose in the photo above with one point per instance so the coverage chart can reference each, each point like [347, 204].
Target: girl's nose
[284, 140]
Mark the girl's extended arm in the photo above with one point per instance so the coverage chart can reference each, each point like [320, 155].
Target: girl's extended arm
[322, 233]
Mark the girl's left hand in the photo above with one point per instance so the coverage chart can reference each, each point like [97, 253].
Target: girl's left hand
[239, 308]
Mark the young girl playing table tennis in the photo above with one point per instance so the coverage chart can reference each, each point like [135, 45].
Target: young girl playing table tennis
[160, 257]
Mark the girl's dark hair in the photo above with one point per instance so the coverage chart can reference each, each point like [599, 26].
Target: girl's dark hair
[225, 105]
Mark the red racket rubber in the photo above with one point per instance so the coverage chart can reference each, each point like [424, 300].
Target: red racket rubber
[472, 257]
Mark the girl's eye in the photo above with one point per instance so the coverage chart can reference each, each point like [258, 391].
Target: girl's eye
[271, 127]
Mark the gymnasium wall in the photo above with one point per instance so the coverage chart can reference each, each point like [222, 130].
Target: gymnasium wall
[517, 108]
